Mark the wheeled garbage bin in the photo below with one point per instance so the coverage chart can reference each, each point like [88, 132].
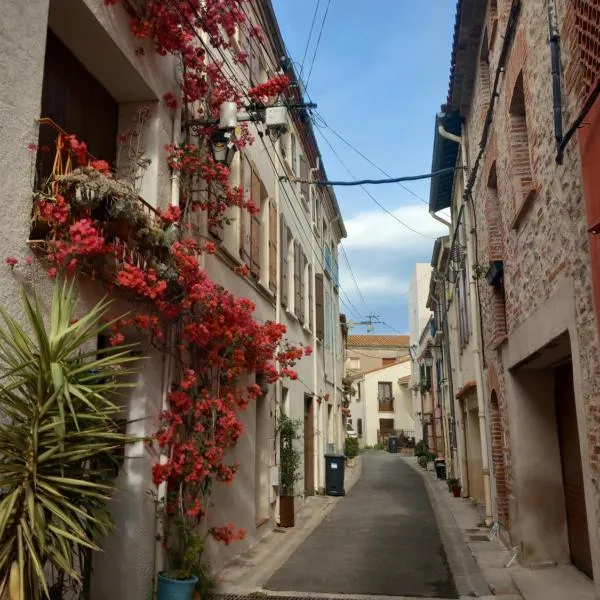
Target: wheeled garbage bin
[440, 468]
[334, 474]
[393, 445]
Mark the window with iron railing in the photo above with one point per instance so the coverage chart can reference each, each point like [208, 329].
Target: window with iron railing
[384, 396]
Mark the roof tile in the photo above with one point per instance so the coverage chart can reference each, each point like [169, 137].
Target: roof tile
[378, 341]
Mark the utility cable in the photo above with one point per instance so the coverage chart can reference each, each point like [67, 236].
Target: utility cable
[312, 26]
[362, 182]
[391, 214]
[291, 204]
[318, 43]
[345, 141]
[352, 274]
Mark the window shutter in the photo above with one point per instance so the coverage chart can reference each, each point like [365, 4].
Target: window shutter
[310, 297]
[283, 252]
[304, 187]
[319, 310]
[297, 278]
[272, 246]
[245, 217]
[303, 265]
[255, 227]
[293, 153]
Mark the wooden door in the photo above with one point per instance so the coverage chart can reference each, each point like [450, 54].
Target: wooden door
[309, 439]
[572, 471]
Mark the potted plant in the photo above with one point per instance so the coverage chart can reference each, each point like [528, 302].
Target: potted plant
[454, 486]
[289, 467]
[185, 570]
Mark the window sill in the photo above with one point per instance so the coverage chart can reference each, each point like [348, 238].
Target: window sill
[291, 314]
[525, 206]
[307, 329]
[265, 287]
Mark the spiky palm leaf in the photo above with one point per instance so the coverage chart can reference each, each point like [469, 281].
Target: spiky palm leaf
[54, 477]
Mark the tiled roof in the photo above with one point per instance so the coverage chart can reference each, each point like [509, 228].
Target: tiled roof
[405, 379]
[378, 341]
[395, 364]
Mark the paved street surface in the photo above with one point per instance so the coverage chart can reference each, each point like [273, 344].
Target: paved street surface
[381, 540]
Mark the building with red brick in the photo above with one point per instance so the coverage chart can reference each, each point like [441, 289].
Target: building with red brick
[521, 285]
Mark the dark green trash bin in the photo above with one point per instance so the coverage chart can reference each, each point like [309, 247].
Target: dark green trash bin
[393, 445]
[334, 474]
[440, 468]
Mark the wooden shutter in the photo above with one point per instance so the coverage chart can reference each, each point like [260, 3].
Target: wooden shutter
[303, 265]
[296, 278]
[304, 177]
[310, 297]
[255, 227]
[283, 242]
[272, 245]
[319, 309]
[245, 217]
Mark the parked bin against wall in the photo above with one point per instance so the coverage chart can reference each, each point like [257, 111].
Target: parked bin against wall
[392, 445]
[334, 474]
[440, 468]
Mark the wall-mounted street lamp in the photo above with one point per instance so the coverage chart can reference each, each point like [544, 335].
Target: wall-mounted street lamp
[428, 360]
[222, 147]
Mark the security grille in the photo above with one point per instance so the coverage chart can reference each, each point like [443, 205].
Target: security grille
[587, 27]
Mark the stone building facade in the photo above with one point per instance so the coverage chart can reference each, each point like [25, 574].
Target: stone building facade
[520, 235]
[77, 63]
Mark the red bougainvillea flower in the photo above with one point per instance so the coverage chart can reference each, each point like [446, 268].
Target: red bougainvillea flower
[11, 261]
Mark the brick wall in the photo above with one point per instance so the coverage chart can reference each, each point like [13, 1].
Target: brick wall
[532, 215]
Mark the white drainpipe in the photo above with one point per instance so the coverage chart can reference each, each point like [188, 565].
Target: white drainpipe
[476, 339]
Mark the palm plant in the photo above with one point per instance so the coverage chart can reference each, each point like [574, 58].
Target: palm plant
[57, 438]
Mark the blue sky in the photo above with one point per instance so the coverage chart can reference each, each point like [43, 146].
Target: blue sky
[379, 77]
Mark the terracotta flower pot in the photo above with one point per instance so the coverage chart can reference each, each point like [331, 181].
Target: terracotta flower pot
[456, 491]
[286, 511]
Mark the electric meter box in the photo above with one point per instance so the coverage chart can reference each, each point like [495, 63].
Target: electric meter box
[276, 116]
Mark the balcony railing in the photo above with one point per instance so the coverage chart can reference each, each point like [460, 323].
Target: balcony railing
[386, 405]
[123, 218]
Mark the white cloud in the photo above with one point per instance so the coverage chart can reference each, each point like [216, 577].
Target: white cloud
[374, 285]
[377, 229]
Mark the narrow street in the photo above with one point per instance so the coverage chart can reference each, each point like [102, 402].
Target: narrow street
[381, 540]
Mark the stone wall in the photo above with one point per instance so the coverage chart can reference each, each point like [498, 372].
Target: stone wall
[530, 214]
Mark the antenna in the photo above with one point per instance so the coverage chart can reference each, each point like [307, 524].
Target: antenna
[370, 322]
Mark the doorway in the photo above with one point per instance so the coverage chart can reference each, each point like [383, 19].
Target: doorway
[309, 445]
[572, 473]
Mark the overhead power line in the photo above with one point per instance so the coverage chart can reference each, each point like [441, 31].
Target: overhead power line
[312, 26]
[369, 193]
[378, 181]
[312, 64]
[352, 274]
[362, 155]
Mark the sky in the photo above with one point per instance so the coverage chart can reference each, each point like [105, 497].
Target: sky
[379, 77]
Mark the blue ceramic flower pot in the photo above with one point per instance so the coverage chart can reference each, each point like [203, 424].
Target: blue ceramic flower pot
[175, 589]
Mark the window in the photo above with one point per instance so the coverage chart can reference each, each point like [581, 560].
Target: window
[304, 177]
[384, 396]
[284, 262]
[359, 427]
[354, 363]
[76, 101]
[462, 291]
[272, 246]
[520, 160]
[358, 391]
[386, 426]
[386, 362]
[310, 286]
[319, 307]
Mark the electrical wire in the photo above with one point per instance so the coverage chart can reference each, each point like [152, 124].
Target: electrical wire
[312, 26]
[318, 43]
[362, 182]
[345, 141]
[352, 274]
[391, 214]
[350, 306]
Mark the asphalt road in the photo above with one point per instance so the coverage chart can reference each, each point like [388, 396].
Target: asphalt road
[382, 539]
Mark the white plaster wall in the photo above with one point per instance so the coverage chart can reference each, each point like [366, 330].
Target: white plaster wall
[402, 413]
[418, 313]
